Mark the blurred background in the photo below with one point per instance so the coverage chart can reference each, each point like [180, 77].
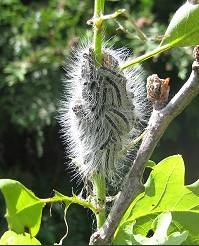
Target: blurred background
[35, 39]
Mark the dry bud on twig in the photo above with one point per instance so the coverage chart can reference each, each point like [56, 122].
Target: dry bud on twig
[158, 90]
[196, 53]
[193, 1]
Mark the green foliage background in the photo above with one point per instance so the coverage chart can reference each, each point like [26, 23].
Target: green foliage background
[35, 39]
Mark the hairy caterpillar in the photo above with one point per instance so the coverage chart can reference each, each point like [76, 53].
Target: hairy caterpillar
[101, 110]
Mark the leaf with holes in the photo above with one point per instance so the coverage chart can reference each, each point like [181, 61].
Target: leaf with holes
[183, 29]
[165, 191]
[160, 237]
[24, 209]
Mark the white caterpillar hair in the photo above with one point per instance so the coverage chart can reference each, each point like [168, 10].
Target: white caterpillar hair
[101, 110]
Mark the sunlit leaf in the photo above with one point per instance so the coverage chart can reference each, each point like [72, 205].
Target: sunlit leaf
[160, 235]
[165, 191]
[12, 238]
[24, 209]
[183, 30]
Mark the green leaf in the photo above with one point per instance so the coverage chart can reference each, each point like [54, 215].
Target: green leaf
[12, 238]
[183, 29]
[165, 191]
[160, 237]
[125, 235]
[24, 209]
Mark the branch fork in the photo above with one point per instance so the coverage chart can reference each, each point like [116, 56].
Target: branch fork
[97, 21]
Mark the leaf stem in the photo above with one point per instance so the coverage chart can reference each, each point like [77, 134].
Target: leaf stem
[99, 184]
[160, 49]
[98, 25]
[98, 180]
[74, 199]
[146, 56]
[140, 33]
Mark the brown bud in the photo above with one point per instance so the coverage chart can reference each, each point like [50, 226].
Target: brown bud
[193, 1]
[158, 89]
[196, 53]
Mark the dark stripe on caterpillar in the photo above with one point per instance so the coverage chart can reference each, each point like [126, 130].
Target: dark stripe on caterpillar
[103, 102]
[116, 90]
[107, 159]
[112, 123]
[103, 146]
[111, 73]
[122, 116]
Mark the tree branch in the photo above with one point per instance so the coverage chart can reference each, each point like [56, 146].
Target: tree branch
[158, 123]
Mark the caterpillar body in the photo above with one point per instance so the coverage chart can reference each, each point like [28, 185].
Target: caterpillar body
[101, 110]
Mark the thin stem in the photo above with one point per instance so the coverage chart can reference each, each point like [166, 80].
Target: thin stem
[98, 25]
[98, 180]
[67, 199]
[146, 56]
[114, 15]
[140, 33]
[122, 153]
[163, 47]
[99, 184]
